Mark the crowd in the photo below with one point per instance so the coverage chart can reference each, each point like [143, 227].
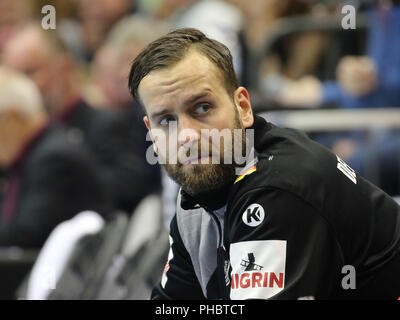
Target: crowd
[73, 139]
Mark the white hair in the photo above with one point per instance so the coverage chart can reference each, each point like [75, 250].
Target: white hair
[136, 29]
[19, 93]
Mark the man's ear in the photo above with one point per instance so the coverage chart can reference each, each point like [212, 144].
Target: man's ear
[18, 125]
[243, 104]
[147, 124]
[65, 63]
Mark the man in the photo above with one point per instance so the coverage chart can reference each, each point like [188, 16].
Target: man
[114, 140]
[51, 177]
[287, 226]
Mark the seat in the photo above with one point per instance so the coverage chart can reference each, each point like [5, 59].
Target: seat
[74, 257]
[15, 265]
[287, 27]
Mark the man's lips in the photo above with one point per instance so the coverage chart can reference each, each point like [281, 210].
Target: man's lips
[197, 160]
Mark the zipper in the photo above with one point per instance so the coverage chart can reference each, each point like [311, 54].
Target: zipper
[219, 227]
[221, 257]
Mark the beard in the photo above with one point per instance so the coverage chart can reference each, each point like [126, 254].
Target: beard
[196, 179]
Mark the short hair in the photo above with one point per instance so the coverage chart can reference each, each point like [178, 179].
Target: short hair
[52, 38]
[172, 48]
[19, 93]
[135, 29]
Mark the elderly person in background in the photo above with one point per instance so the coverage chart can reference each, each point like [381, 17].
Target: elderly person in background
[219, 19]
[51, 177]
[110, 67]
[108, 89]
[108, 135]
[87, 31]
[11, 14]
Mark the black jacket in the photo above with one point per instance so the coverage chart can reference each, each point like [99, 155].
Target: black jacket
[118, 142]
[53, 179]
[300, 223]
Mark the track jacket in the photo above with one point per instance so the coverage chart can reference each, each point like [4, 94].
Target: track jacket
[298, 223]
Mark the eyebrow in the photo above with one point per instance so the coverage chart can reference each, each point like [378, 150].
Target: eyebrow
[196, 97]
[188, 101]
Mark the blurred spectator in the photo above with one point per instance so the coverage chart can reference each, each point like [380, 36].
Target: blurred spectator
[110, 68]
[111, 137]
[11, 14]
[94, 20]
[289, 59]
[2, 186]
[362, 82]
[369, 81]
[50, 176]
[219, 19]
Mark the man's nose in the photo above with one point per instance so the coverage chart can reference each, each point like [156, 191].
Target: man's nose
[188, 131]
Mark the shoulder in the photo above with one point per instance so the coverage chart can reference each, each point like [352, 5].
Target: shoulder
[89, 118]
[291, 162]
[59, 146]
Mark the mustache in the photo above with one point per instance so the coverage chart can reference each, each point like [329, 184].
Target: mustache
[195, 152]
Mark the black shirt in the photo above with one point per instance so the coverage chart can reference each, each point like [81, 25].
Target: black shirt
[301, 224]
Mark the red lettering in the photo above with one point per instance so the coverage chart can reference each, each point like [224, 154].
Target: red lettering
[256, 278]
[265, 283]
[273, 278]
[235, 281]
[166, 268]
[245, 284]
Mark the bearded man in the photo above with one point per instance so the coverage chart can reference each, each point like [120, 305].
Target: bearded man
[282, 224]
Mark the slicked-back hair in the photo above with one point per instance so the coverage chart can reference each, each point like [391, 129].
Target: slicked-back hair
[172, 48]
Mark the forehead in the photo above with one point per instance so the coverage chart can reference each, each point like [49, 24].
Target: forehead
[26, 49]
[194, 73]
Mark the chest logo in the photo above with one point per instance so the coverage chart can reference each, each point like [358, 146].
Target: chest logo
[253, 215]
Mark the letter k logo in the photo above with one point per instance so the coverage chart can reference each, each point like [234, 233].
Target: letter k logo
[253, 215]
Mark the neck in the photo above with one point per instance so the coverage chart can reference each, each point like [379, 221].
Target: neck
[64, 95]
[69, 98]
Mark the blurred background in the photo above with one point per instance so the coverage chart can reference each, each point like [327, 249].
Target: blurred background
[83, 214]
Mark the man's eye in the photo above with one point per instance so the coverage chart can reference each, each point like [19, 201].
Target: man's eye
[202, 109]
[166, 120]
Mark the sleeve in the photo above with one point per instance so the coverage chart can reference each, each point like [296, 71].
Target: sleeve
[281, 248]
[333, 94]
[58, 186]
[179, 280]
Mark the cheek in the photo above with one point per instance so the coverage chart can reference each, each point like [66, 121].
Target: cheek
[42, 80]
[5, 150]
[165, 146]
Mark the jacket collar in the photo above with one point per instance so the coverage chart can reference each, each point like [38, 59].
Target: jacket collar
[210, 201]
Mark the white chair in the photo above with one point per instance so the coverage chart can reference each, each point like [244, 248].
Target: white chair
[56, 251]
